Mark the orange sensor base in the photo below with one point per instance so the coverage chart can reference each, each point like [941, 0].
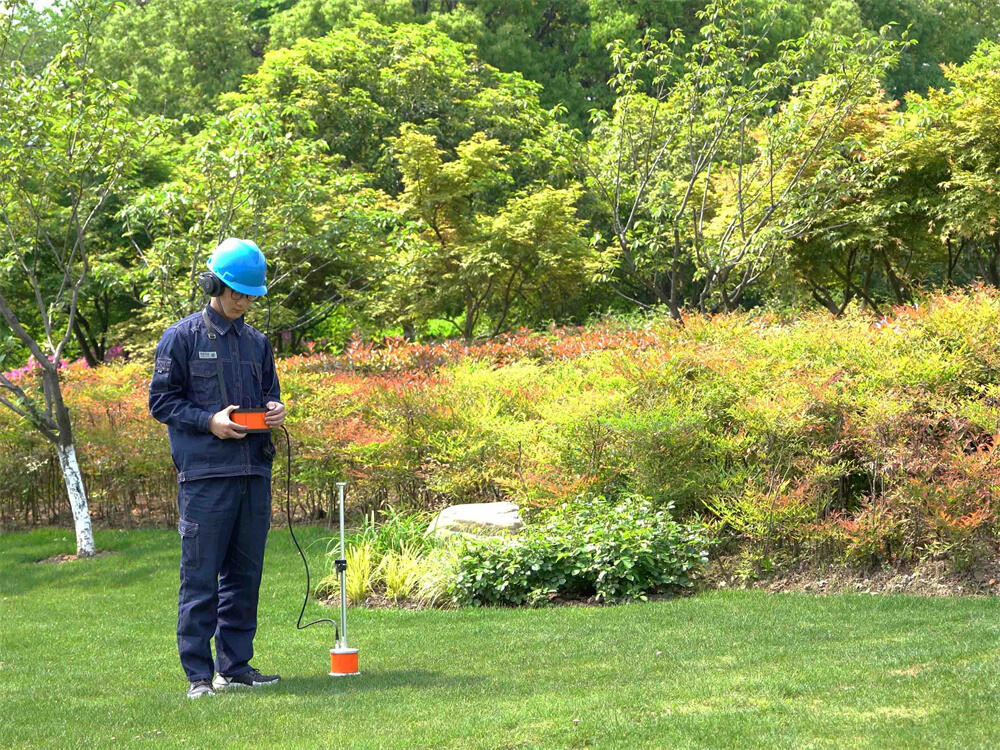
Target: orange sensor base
[343, 662]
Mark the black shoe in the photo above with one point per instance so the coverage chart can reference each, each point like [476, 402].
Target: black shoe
[250, 679]
[199, 688]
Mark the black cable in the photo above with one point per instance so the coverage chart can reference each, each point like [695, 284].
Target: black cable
[288, 511]
[267, 326]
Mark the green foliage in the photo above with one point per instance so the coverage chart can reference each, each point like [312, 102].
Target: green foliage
[916, 197]
[747, 158]
[395, 558]
[304, 160]
[436, 572]
[482, 253]
[401, 573]
[805, 438]
[360, 572]
[355, 87]
[362, 566]
[242, 175]
[67, 147]
[561, 47]
[946, 32]
[704, 179]
[396, 530]
[179, 55]
[315, 18]
[614, 550]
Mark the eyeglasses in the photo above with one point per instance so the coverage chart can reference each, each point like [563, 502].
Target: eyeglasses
[237, 296]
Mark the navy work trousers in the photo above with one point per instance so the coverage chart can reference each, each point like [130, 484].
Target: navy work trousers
[223, 527]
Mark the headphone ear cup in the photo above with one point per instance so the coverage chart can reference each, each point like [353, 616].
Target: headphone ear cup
[210, 283]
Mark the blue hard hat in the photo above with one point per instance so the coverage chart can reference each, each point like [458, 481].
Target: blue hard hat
[240, 265]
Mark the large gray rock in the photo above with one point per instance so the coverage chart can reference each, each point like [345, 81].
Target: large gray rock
[476, 519]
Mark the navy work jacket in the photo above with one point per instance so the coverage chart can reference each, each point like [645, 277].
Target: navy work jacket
[184, 394]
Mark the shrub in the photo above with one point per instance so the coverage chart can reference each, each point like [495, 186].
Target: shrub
[395, 530]
[614, 551]
[400, 572]
[870, 441]
[393, 556]
[436, 575]
[360, 576]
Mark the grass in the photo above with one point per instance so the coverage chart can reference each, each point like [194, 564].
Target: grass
[88, 660]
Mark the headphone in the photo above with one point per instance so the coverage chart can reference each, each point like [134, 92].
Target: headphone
[211, 284]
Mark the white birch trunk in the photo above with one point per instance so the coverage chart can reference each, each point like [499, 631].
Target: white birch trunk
[77, 499]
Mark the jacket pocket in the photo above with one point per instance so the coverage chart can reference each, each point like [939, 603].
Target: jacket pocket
[190, 547]
[205, 384]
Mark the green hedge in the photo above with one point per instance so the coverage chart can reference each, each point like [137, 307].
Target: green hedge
[857, 439]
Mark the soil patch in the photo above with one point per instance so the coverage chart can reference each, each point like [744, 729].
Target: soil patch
[381, 601]
[66, 558]
[935, 578]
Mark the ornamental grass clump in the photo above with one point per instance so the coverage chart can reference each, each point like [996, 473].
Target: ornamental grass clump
[612, 550]
[436, 577]
[392, 557]
[400, 572]
[359, 578]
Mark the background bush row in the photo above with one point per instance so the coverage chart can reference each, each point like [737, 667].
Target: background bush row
[864, 440]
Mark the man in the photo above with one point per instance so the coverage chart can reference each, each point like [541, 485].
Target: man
[205, 366]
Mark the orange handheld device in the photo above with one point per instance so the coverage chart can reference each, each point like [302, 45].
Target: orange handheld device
[252, 419]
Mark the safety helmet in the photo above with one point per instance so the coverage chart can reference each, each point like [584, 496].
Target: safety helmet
[240, 265]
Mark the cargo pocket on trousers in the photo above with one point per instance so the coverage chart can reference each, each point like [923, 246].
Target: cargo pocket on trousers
[189, 543]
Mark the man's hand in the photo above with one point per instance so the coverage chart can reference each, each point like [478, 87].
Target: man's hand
[275, 414]
[223, 427]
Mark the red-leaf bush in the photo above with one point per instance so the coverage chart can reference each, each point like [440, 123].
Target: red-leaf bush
[858, 439]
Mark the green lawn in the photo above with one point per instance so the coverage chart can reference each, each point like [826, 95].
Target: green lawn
[87, 659]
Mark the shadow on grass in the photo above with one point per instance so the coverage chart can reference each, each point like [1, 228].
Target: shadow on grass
[372, 680]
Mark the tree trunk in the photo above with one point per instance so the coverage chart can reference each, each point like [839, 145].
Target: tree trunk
[75, 490]
[77, 499]
[994, 273]
[823, 297]
[87, 345]
[899, 291]
[471, 313]
[675, 279]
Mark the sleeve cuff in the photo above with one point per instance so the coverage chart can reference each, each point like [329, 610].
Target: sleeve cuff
[207, 421]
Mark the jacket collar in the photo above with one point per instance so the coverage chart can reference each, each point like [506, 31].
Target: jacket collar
[221, 325]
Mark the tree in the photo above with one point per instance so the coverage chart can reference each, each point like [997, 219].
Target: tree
[34, 34]
[244, 174]
[857, 242]
[414, 115]
[964, 136]
[470, 257]
[701, 172]
[945, 31]
[179, 55]
[919, 204]
[66, 144]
